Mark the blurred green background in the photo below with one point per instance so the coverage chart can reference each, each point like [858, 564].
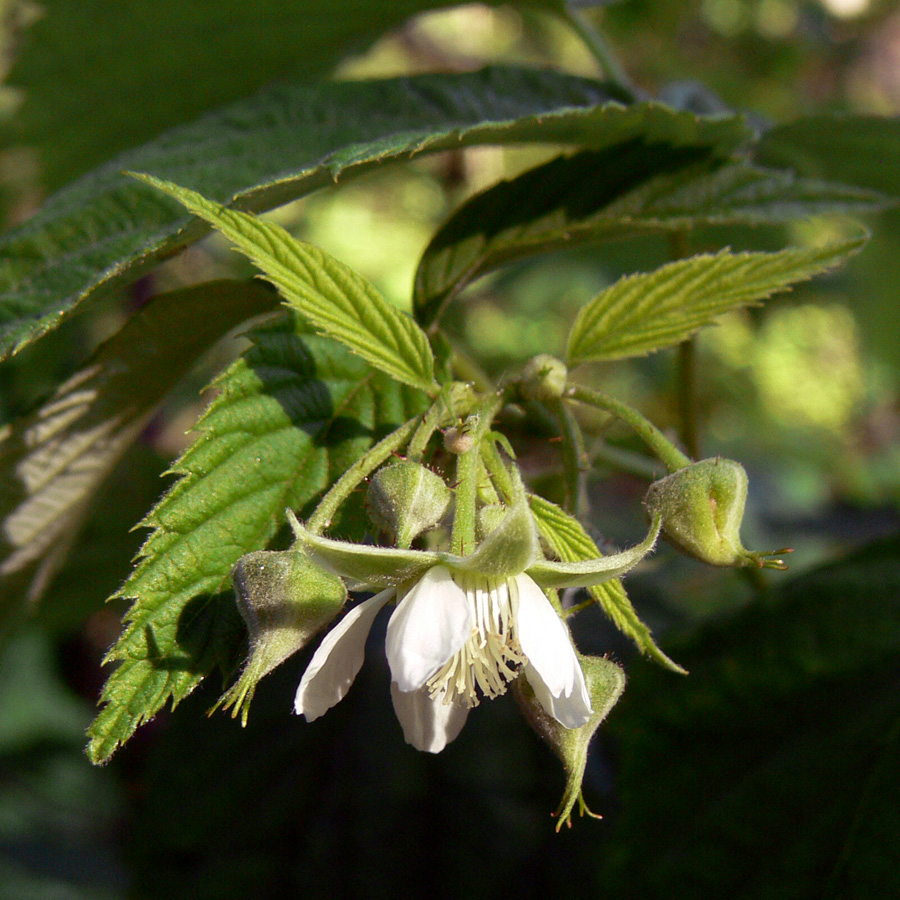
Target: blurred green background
[771, 772]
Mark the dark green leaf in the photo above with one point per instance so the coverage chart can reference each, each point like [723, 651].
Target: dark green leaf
[292, 415]
[618, 191]
[645, 312]
[286, 142]
[847, 149]
[53, 461]
[97, 83]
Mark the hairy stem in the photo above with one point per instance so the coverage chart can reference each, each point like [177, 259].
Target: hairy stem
[665, 450]
[357, 473]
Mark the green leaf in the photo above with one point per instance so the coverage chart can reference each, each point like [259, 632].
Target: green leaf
[330, 295]
[645, 312]
[568, 540]
[53, 460]
[105, 229]
[781, 748]
[624, 189]
[291, 415]
[848, 149]
[89, 95]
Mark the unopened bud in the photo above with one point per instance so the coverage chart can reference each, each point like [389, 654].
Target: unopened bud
[605, 683]
[702, 507]
[405, 499]
[458, 441]
[284, 599]
[544, 378]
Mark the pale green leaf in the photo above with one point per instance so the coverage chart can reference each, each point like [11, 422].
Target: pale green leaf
[291, 415]
[645, 312]
[53, 460]
[335, 299]
[106, 229]
[622, 190]
[567, 539]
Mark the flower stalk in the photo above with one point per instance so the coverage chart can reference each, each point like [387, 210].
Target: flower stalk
[671, 457]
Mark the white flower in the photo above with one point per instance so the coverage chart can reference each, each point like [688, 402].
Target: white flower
[451, 640]
[464, 627]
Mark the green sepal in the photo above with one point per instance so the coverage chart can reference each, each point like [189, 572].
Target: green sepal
[365, 565]
[509, 549]
[605, 682]
[284, 599]
[550, 574]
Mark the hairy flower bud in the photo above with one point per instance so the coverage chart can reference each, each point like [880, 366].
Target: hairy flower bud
[405, 499]
[605, 683]
[702, 507]
[458, 440]
[284, 599]
[544, 378]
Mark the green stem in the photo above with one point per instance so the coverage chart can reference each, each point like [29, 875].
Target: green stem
[467, 470]
[358, 472]
[679, 248]
[665, 450]
[627, 461]
[487, 493]
[687, 396]
[574, 461]
[498, 471]
[599, 49]
[463, 539]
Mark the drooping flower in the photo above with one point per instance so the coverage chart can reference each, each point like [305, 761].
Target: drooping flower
[463, 629]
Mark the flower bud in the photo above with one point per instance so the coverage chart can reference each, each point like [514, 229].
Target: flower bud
[284, 599]
[544, 378]
[702, 506]
[405, 499]
[458, 440]
[605, 682]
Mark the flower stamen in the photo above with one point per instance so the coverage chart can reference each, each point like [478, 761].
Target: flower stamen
[491, 657]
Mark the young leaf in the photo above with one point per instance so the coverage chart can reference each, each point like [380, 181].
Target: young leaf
[645, 312]
[285, 142]
[53, 460]
[617, 191]
[291, 415]
[569, 541]
[330, 295]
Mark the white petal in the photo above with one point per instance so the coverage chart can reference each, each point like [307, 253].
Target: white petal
[571, 711]
[430, 624]
[553, 669]
[338, 660]
[428, 724]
